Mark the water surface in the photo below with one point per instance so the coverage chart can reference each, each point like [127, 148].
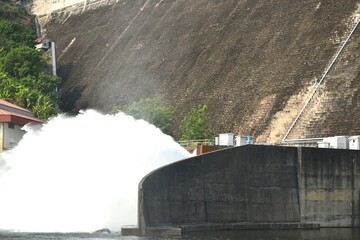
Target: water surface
[323, 234]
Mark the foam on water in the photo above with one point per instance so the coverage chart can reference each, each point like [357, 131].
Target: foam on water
[80, 173]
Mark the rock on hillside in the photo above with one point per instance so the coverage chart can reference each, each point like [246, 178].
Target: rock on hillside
[245, 59]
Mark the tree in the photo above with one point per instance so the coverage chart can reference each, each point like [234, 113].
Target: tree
[152, 111]
[24, 81]
[25, 78]
[22, 61]
[31, 93]
[7, 87]
[14, 34]
[11, 10]
[45, 106]
[195, 124]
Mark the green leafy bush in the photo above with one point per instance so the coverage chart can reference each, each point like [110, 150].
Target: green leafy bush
[10, 10]
[14, 34]
[195, 124]
[152, 111]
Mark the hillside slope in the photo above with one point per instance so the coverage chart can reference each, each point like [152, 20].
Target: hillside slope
[245, 59]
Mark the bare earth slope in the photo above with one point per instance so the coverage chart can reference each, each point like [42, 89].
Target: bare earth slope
[244, 59]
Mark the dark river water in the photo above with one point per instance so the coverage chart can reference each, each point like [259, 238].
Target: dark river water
[323, 234]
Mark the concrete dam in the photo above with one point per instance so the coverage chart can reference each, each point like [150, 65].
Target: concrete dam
[254, 63]
[275, 69]
[253, 187]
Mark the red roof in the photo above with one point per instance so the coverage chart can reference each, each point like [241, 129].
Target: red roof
[11, 113]
[5, 103]
[40, 39]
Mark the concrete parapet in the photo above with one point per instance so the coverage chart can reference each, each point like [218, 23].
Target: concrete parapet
[254, 187]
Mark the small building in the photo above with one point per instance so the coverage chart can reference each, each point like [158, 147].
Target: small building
[338, 142]
[354, 142]
[43, 43]
[12, 119]
[226, 139]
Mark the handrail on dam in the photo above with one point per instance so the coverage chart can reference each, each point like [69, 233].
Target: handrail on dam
[321, 80]
[192, 143]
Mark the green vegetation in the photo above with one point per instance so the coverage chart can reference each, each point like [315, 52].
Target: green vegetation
[9, 10]
[152, 111]
[24, 77]
[195, 124]
[14, 34]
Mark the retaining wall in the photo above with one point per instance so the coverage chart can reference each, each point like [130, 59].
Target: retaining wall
[254, 184]
[245, 60]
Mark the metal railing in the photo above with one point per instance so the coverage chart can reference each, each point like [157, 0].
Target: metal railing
[321, 80]
[192, 143]
[303, 142]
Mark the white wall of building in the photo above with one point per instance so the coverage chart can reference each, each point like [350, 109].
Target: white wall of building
[226, 139]
[354, 142]
[1, 136]
[11, 136]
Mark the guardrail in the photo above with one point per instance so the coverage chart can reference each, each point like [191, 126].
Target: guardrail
[303, 142]
[192, 143]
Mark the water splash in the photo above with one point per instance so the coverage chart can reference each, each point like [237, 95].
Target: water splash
[80, 174]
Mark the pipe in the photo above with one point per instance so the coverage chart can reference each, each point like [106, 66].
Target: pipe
[38, 27]
[53, 58]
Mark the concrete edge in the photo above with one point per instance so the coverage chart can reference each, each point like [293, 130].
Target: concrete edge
[248, 226]
[179, 230]
[130, 230]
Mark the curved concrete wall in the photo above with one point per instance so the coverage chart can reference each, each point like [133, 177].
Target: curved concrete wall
[255, 184]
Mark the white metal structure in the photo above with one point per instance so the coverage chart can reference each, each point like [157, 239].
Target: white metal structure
[354, 142]
[226, 139]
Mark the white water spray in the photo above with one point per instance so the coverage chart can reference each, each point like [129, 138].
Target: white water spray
[80, 173]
